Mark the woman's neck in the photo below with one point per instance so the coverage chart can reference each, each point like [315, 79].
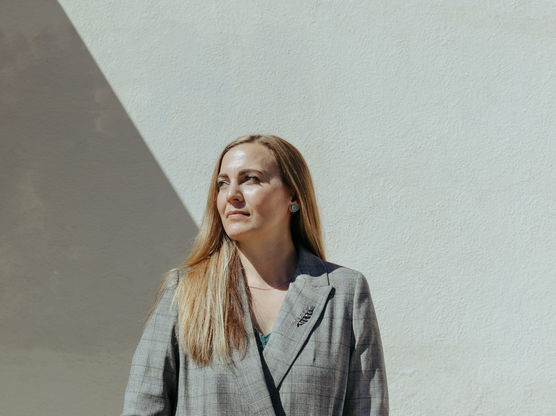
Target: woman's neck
[268, 265]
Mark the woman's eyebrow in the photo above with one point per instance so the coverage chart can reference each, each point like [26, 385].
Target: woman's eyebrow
[241, 172]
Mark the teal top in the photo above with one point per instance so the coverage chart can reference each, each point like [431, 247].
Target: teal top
[262, 339]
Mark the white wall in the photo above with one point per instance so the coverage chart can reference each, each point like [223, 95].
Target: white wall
[429, 130]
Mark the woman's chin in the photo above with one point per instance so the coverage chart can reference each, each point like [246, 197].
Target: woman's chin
[238, 235]
[244, 235]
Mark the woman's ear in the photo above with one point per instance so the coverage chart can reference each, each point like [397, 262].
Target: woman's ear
[292, 195]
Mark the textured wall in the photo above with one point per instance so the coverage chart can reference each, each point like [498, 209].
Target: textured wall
[429, 130]
[88, 222]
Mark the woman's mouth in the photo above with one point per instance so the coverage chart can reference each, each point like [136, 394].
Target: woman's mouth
[237, 215]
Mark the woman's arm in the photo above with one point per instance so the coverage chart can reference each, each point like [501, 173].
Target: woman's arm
[153, 380]
[367, 390]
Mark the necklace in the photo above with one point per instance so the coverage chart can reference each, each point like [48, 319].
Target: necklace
[272, 288]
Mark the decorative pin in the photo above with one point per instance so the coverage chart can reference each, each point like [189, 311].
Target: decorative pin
[304, 316]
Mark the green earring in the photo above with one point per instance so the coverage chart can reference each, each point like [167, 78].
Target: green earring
[294, 208]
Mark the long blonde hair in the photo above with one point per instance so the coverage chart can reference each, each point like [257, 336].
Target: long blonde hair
[208, 296]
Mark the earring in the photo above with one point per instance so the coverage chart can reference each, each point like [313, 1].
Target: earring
[294, 208]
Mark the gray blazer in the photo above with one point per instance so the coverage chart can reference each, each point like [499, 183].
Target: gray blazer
[324, 356]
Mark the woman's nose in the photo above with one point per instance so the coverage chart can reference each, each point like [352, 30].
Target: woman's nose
[234, 192]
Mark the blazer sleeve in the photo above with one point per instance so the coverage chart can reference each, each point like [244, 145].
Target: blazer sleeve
[367, 390]
[153, 380]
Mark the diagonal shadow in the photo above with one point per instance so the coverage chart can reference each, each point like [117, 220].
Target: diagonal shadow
[89, 221]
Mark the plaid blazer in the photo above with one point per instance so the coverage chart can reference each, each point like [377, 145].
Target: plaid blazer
[324, 356]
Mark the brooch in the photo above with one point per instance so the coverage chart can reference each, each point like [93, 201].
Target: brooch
[304, 316]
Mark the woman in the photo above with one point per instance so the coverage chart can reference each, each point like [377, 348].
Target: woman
[256, 322]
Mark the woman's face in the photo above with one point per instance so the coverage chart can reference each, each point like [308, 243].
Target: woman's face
[249, 181]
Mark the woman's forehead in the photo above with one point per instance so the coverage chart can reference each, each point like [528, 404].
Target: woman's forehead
[248, 156]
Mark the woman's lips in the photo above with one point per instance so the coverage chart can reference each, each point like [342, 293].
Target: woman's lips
[237, 215]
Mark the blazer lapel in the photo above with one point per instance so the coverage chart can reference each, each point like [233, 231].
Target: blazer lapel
[301, 309]
[304, 303]
[249, 371]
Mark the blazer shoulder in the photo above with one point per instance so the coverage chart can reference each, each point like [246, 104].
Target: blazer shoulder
[172, 277]
[344, 277]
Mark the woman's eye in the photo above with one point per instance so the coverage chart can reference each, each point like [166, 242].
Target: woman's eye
[219, 184]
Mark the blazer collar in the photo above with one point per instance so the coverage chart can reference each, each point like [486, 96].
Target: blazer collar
[300, 311]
